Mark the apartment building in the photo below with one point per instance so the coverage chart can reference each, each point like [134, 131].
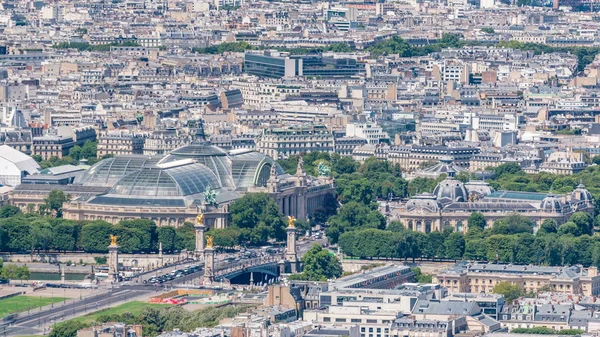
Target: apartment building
[281, 142]
[121, 142]
[481, 278]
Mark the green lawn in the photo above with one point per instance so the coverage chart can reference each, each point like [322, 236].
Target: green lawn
[22, 303]
[134, 308]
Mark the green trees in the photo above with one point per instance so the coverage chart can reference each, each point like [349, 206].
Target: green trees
[369, 243]
[167, 235]
[226, 237]
[476, 220]
[319, 265]
[67, 329]
[512, 224]
[354, 215]
[548, 226]
[583, 221]
[154, 320]
[65, 235]
[512, 242]
[508, 168]
[420, 277]
[32, 232]
[15, 272]
[397, 45]
[54, 202]
[509, 290]
[95, 236]
[88, 151]
[9, 211]
[454, 245]
[237, 47]
[186, 237]
[259, 218]
[542, 330]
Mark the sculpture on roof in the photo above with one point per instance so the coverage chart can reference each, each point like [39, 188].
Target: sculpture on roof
[200, 219]
[210, 196]
[323, 170]
[300, 167]
[291, 222]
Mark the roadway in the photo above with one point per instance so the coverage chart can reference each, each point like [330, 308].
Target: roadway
[36, 322]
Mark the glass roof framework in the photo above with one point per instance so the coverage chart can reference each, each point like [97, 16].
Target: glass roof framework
[247, 167]
[179, 179]
[109, 171]
[176, 181]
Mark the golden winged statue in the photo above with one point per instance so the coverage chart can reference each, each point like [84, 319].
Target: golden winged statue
[209, 241]
[113, 240]
[200, 219]
[291, 222]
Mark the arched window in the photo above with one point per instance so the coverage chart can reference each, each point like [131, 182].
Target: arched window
[447, 224]
[427, 226]
[410, 225]
[419, 226]
[459, 226]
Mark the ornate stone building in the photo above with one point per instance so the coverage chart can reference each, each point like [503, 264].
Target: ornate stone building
[452, 202]
[173, 189]
[481, 278]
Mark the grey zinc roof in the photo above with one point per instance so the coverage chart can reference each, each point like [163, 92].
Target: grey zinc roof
[580, 317]
[446, 308]
[553, 313]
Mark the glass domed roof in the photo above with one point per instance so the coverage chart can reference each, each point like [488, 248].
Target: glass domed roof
[108, 171]
[199, 149]
[213, 157]
[176, 181]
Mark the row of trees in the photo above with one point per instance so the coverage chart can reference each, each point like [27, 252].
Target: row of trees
[154, 320]
[510, 240]
[32, 232]
[585, 55]
[255, 220]
[240, 47]
[397, 45]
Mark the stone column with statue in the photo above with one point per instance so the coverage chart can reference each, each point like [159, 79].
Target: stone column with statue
[113, 259]
[209, 262]
[200, 229]
[291, 255]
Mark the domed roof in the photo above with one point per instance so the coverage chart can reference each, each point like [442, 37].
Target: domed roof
[108, 171]
[581, 194]
[175, 180]
[479, 187]
[425, 203]
[213, 157]
[450, 190]
[445, 166]
[551, 204]
[199, 149]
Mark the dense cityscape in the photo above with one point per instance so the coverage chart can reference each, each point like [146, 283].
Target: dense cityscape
[299, 168]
